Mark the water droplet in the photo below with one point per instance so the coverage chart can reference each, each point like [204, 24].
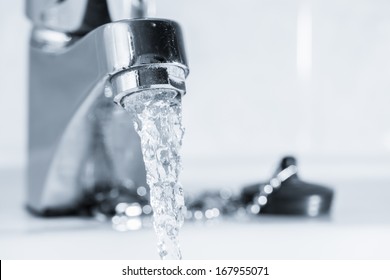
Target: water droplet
[134, 224]
[121, 208]
[198, 215]
[141, 191]
[147, 209]
[133, 210]
[268, 189]
[262, 200]
[255, 209]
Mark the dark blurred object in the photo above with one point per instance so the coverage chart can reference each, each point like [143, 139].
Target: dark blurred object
[287, 194]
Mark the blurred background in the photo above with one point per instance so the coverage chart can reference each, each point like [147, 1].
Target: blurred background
[267, 78]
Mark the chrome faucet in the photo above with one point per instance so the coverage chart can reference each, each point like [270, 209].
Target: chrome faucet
[85, 56]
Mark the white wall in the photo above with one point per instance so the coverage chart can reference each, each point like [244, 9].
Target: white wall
[268, 77]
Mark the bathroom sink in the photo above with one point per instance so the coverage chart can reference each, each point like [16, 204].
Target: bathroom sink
[358, 228]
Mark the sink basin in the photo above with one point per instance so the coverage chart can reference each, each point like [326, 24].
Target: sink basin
[358, 228]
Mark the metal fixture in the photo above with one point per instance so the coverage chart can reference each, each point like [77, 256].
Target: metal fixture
[80, 142]
[83, 16]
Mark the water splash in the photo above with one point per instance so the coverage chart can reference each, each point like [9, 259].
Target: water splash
[157, 120]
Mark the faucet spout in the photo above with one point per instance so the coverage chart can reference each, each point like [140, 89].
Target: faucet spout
[78, 137]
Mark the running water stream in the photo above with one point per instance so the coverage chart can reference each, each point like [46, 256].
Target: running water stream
[157, 119]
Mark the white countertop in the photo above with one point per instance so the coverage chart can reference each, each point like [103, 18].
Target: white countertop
[359, 228]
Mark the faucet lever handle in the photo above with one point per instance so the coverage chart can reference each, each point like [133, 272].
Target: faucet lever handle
[126, 9]
[82, 16]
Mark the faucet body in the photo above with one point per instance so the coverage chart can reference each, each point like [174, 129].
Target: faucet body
[78, 137]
